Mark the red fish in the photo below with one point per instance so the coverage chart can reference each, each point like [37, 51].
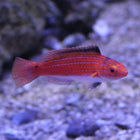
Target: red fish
[72, 64]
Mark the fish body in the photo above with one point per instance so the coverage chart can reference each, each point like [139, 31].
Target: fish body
[72, 64]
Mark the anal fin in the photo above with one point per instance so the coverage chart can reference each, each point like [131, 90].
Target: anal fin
[60, 80]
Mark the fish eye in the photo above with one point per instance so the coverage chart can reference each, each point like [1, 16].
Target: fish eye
[112, 70]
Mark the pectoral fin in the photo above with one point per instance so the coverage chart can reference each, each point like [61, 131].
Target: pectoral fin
[95, 74]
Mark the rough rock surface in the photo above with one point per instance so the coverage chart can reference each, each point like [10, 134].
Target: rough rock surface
[21, 26]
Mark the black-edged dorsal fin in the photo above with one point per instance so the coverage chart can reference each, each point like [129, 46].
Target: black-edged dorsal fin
[69, 51]
[88, 49]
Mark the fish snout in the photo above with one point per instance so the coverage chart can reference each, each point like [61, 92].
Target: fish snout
[124, 71]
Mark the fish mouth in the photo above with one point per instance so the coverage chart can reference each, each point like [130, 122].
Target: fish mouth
[126, 73]
[123, 71]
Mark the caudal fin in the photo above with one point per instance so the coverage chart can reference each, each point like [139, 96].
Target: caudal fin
[23, 71]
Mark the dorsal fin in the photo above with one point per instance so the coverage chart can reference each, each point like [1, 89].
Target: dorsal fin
[88, 49]
[69, 51]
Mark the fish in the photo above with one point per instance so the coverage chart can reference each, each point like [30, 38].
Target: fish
[80, 64]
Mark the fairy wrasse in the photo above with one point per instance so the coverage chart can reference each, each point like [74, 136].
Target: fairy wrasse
[72, 64]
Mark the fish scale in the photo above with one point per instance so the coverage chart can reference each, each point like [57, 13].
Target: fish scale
[81, 65]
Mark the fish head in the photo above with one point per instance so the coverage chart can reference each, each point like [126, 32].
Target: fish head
[113, 70]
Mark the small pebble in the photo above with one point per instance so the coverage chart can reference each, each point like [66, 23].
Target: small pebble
[96, 84]
[54, 31]
[137, 75]
[24, 117]
[73, 99]
[122, 105]
[74, 40]
[102, 29]
[101, 122]
[122, 126]
[80, 128]
[53, 43]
